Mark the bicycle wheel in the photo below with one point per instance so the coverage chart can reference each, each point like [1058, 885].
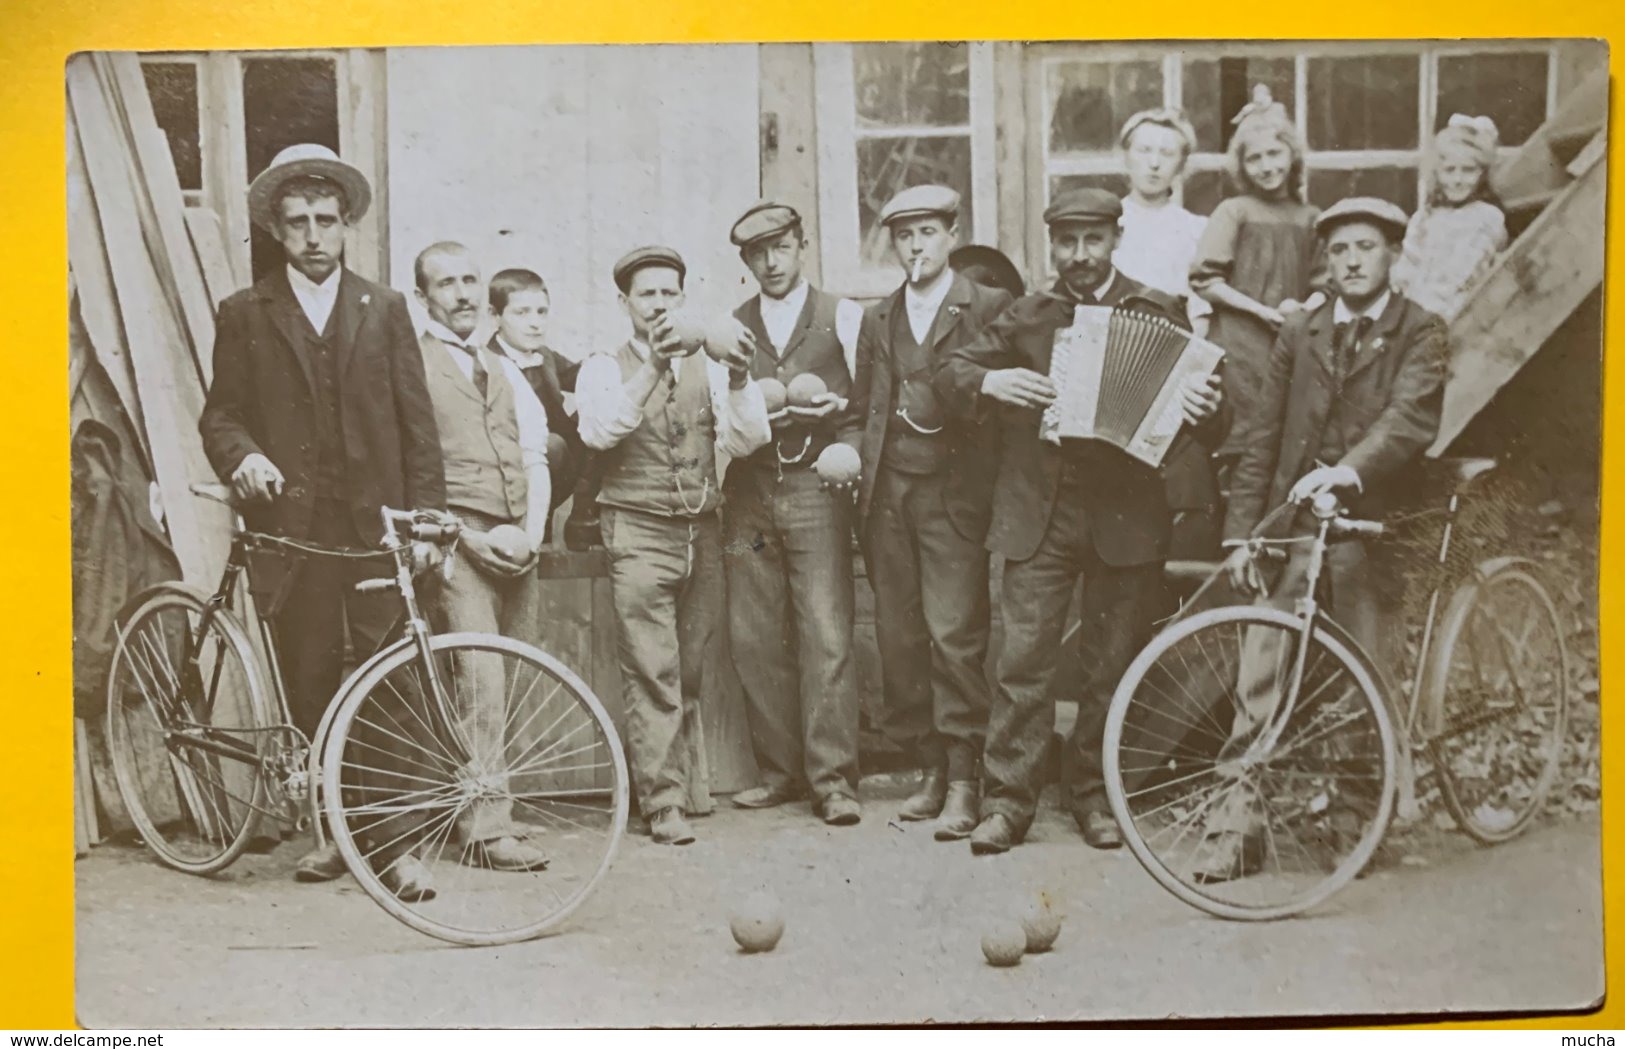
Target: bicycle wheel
[186, 729]
[1223, 821]
[1499, 692]
[518, 746]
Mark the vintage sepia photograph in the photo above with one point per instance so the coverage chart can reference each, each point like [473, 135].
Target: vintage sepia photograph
[836, 533]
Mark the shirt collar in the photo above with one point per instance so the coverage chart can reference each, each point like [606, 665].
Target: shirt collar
[1105, 285]
[793, 301]
[523, 358]
[1341, 314]
[930, 298]
[450, 338]
[301, 283]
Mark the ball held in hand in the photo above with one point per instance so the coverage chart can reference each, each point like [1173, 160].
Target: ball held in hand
[838, 464]
[805, 389]
[758, 923]
[774, 394]
[510, 542]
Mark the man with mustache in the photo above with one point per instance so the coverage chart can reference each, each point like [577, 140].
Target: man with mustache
[1084, 509]
[318, 416]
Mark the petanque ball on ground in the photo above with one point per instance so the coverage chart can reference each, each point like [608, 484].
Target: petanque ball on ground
[1004, 946]
[804, 388]
[1042, 925]
[773, 393]
[510, 540]
[757, 923]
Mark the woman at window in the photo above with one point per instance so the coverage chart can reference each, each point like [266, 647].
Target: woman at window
[1159, 237]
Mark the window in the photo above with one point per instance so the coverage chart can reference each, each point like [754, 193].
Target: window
[1213, 90]
[1358, 102]
[286, 101]
[172, 86]
[892, 116]
[1509, 88]
[1088, 101]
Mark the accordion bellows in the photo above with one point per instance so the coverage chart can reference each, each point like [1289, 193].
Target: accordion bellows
[1117, 374]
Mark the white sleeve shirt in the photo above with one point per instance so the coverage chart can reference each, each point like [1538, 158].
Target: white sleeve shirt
[607, 415]
[529, 415]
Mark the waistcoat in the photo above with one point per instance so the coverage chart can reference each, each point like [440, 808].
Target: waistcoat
[668, 465]
[479, 439]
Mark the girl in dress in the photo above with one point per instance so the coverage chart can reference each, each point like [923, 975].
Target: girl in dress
[1256, 261]
[1159, 238]
[1455, 235]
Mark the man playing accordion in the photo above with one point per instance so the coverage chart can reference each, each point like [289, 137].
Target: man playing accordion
[1060, 512]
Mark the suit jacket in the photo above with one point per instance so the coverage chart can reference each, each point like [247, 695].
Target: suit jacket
[1388, 409]
[555, 376]
[1130, 521]
[972, 444]
[262, 401]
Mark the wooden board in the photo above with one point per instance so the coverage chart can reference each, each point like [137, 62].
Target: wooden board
[85, 830]
[209, 244]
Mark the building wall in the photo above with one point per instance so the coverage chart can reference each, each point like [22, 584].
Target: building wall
[561, 159]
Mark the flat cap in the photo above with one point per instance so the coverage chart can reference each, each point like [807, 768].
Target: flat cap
[648, 255]
[1381, 212]
[1084, 205]
[917, 201]
[765, 218]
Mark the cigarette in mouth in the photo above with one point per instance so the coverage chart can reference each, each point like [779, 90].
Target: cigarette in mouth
[918, 259]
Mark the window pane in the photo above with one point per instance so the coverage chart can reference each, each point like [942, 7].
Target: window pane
[1089, 101]
[172, 86]
[1215, 89]
[285, 101]
[1396, 184]
[1510, 89]
[887, 166]
[911, 85]
[1204, 190]
[1364, 102]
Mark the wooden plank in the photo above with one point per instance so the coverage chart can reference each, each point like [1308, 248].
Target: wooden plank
[85, 830]
[789, 170]
[214, 261]
[158, 194]
[1535, 169]
[166, 384]
[1532, 290]
[606, 667]
[1010, 146]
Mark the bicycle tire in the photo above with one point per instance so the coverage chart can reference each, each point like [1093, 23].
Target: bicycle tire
[142, 658]
[1337, 646]
[344, 781]
[1453, 708]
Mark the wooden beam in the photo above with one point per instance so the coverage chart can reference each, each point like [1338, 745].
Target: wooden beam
[1532, 290]
[789, 168]
[209, 244]
[1010, 149]
[1535, 169]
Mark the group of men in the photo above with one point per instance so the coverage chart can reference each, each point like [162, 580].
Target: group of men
[913, 424]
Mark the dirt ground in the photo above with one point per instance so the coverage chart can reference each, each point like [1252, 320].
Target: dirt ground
[884, 925]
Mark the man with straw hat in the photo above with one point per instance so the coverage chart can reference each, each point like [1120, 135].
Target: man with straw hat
[318, 416]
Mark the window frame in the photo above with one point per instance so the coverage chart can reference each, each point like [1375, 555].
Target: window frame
[838, 131]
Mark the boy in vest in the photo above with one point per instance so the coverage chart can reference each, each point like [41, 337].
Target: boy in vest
[659, 412]
[519, 305]
[1351, 398]
[493, 438]
[925, 493]
[788, 547]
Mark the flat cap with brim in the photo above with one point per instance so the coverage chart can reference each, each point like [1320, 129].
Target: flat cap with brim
[648, 255]
[1084, 205]
[1375, 210]
[307, 159]
[921, 201]
[764, 219]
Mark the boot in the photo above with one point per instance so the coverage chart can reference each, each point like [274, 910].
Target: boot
[960, 812]
[926, 802]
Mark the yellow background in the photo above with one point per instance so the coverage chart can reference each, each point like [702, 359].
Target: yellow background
[36, 37]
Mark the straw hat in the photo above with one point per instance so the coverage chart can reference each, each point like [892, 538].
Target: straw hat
[307, 158]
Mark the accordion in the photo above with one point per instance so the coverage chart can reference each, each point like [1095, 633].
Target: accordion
[1117, 374]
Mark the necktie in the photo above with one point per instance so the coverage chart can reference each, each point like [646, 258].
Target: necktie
[481, 377]
[1349, 335]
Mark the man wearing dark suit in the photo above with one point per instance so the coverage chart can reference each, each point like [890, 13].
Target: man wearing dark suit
[1084, 509]
[925, 493]
[1351, 397]
[318, 416]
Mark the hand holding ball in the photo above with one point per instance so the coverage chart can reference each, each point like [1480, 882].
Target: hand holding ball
[838, 465]
[511, 543]
[805, 389]
[774, 393]
[758, 923]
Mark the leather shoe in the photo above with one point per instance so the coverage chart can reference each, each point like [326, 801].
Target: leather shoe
[320, 864]
[408, 879]
[927, 801]
[840, 810]
[507, 854]
[960, 811]
[668, 827]
[765, 797]
[1100, 830]
[995, 834]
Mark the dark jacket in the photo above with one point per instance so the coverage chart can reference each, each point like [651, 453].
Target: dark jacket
[972, 444]
[1388, 410]
[1129, 504]
[261, 401]
[551, 380]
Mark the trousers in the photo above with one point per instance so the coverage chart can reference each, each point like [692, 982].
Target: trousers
[788, 560]
[931, 623]
[666, 585]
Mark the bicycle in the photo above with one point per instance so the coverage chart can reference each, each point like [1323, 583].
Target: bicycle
[1270, 741]
[412, 751]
